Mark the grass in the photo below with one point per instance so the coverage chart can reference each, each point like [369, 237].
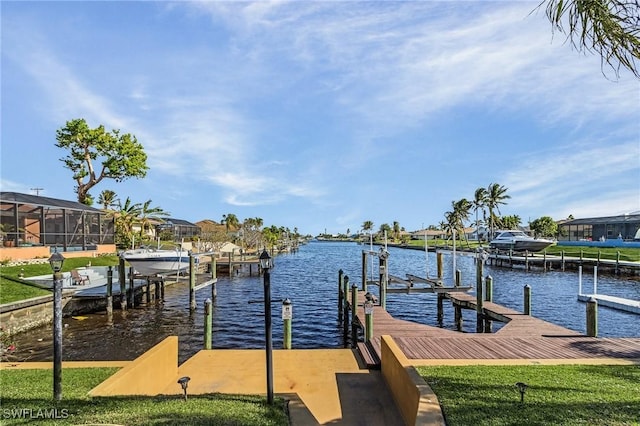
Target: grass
[556, 395]
[13, 289]
[32, 390]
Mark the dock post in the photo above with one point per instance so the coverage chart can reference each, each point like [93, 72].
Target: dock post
[595, 279]
[440, 309]
[479, 297]
[383, 281]
[340, 296]
[123, 285]
[207, 323]
[131, 290]
[365, 262]
[287, 316]
[526, 260]
[458, 278]
[562, 259]
[527, 299]
[345, 315]
[354, 314]
[592, 317]
[110, 294]
[579, 279]
[488, 292]
[148, 292]
[214, 278]
[439, 265]
[156, 291]
[544, 262]
[192, 283]
[617, 262]
[457, 314]
[368, 317]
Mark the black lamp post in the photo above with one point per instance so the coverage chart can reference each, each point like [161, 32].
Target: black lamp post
[266, 263]
[56, 260]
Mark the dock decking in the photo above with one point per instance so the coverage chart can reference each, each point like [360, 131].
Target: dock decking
[523, 337]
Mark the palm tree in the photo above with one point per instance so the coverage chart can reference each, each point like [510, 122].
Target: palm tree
[230, 221]
[149, 216]
[479, 202]
[125, 217]
[396, 230]
[496, 195]
[461, 210]
[107, 199]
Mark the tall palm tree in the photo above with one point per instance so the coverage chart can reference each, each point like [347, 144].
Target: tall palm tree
[396, 230]
[496, 195]
[107, 199]
[230, 221]
[149, 216]
[461, 209]
[479, 202]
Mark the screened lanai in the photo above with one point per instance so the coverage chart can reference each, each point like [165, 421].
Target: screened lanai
[30, 221]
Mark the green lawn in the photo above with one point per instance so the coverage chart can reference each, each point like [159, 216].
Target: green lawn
[32, 390]
[556, 395]
[12, 291]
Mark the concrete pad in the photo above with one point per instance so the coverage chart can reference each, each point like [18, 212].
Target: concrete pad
[330, 385]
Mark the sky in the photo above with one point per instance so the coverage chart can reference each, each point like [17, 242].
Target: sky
[321, 115]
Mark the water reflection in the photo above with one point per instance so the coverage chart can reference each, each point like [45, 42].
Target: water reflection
[309, 279]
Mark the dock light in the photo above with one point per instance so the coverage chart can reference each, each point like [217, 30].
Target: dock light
[56, 260]
[266, 263]
[184, 382]
[522, 388]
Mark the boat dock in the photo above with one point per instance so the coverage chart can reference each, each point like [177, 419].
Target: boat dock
[613, 302]
[549, 262]
[525, 338]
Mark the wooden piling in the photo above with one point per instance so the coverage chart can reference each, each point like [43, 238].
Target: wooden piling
[340, 295]
[110, 294]
[592, 317]
[354, 312]
[526, 260]
[365, 261]
[148, 292]
[488, 291]
[458, 278]
[383, 281]
[562, 259]
[479, 297]
[287, 317]
[131, 289]
[527, 299]
[617, 270]
[214, 278]
[208, 323]
[368, 318]
[345, 315]
[192, 283]
[439, 265]
[123, 285]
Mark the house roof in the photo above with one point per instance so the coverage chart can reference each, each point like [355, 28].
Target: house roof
[626, 218]
[16, 197]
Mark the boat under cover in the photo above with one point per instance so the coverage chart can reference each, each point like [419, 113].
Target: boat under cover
[519, 241]
[149, 261]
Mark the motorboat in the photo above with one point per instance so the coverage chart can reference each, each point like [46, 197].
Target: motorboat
[518, 241]
[150, 261]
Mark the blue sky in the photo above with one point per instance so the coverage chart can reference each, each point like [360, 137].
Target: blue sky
[322, 115]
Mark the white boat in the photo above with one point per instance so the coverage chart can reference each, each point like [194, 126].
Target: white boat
[518, 241]
[150, 261]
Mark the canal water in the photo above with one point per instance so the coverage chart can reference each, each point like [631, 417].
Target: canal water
[309, 278]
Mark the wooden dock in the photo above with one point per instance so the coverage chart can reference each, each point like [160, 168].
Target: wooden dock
[523, 337]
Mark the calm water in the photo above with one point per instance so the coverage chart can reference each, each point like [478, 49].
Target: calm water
[309, 279]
